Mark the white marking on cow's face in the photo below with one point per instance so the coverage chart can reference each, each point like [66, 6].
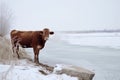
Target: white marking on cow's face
[46, 33]
[46, 38]
[38, 46]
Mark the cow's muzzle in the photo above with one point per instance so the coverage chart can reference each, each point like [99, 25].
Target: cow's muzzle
[46, 38]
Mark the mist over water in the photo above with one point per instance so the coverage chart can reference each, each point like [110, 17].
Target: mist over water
[110, 40]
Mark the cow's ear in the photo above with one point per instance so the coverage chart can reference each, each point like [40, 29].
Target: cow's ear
[51, 32]
[41, 32]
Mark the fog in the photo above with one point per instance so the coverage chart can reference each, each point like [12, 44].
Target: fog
[65, 14]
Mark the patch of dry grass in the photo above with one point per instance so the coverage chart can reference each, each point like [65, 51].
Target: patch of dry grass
[5, 50]
[6, 53]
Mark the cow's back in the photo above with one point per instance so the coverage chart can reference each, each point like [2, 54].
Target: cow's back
[24, 37]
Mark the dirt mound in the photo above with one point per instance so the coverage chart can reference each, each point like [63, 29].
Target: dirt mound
[6, 54]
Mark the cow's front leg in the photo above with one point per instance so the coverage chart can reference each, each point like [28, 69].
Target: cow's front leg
[36, 55]
[34, 49]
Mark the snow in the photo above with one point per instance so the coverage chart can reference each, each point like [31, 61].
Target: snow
[58, 67]
[93, 39]
[28, 73]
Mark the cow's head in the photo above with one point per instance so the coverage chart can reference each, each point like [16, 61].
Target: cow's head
[46, 32]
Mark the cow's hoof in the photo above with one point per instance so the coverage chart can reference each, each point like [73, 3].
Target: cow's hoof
[37, 63]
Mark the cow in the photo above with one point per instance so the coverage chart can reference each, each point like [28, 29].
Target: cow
[30, 39]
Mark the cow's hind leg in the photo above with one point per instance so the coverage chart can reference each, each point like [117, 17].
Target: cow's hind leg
[12, 46]
[15, 46]
[17, 51]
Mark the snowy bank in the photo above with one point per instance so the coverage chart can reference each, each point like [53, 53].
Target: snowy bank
[28, 73]
[32, 72]
[6, 53]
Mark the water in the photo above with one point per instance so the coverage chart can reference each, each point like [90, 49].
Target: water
[104, 61]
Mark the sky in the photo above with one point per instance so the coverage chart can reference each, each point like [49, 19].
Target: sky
[65, 14]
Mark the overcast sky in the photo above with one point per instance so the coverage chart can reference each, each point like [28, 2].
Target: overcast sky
[65, 14]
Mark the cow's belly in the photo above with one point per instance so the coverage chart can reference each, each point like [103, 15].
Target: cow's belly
[26, 46]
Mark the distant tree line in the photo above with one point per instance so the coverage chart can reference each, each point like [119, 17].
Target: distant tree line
[93, 31]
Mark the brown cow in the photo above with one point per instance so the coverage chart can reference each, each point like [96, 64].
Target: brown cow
[29, 39]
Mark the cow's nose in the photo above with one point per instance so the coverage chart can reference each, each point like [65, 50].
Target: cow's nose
[46, 38]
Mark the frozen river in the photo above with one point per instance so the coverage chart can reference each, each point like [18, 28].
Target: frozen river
[104, 61]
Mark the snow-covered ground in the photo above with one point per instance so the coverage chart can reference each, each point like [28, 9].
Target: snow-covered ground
[10, 72]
